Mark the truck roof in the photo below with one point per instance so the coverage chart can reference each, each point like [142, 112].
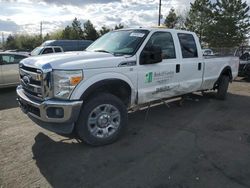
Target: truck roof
[158, 29]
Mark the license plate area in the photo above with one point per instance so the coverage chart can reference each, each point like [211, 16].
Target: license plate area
[27, 108]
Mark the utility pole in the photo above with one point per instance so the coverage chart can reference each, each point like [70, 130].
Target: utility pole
[159, 19]
[2, 38]
[41, 29]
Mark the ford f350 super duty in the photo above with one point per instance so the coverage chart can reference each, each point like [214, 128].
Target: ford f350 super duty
[90, 92]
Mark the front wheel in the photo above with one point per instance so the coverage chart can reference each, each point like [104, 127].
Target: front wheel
[102, 120]
[223, 87]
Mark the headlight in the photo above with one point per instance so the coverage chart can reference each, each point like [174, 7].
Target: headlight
[64, 82]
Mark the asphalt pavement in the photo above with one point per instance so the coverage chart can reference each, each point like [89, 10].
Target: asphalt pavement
[203, 143]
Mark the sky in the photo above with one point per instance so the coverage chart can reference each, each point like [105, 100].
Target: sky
[24, 16]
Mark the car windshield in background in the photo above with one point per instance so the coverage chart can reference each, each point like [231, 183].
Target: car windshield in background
[36, 51]
[123, 42]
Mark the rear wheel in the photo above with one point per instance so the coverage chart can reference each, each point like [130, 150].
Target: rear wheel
[223, 87]
[102, 120]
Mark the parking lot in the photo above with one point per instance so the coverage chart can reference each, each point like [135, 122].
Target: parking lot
[201, 143]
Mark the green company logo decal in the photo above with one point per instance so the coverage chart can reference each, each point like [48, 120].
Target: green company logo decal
[149, 77]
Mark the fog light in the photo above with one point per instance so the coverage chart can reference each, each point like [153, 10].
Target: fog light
[55, 112]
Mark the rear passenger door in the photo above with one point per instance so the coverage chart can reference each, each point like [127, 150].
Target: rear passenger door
[191, 63]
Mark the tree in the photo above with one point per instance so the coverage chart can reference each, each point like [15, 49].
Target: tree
[231, 23]
[66, 33]
[57, 35]
[11, 43]
[119, 26]
[199, 18]
[47, 37]
[90, 32]
[171, 19]
[22, 42]
[77, 32]
[74, 31]
[182, 19]
[28, 42]
[104, 30]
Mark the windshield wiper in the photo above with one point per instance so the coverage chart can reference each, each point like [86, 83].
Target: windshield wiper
[113, 53]
[105, 51]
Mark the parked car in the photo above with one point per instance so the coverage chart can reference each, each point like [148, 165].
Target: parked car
[247, 71]
[208, 52]
[46, 50]
[90, 92]
[22, 52]
[243, 53]
[9, 72]
[69, 45]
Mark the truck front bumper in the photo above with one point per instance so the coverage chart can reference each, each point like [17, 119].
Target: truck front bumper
[55, 115]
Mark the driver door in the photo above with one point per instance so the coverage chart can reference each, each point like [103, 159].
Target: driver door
[159, 80]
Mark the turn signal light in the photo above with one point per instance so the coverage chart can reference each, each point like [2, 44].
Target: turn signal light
[75, 80]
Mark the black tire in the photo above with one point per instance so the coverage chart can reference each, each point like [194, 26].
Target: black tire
[223, 87]
[95, 104]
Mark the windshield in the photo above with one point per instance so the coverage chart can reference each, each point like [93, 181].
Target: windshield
[36, 51]
[122, 42]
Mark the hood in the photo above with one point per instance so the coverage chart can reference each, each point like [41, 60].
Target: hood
[74, 60]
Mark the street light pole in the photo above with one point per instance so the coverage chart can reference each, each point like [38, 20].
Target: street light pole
[159, 19]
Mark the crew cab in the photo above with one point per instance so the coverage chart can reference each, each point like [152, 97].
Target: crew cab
[90, 92]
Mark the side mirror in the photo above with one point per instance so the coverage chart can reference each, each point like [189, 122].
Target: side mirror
[151, 55]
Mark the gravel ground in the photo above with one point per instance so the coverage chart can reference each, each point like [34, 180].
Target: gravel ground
[202, 143]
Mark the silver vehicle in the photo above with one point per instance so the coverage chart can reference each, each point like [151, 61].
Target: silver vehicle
[9, 72]
[46, 50]
[207, 52]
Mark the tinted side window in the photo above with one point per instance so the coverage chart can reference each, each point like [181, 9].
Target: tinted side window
[188, 45]
[47, 51]
[57, 50]
[165, 41]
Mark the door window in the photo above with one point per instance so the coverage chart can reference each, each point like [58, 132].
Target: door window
[165, 41]
[47, 51]
[188, 45]
[57, 50]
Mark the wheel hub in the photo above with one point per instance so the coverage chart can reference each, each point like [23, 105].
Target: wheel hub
[103, 120]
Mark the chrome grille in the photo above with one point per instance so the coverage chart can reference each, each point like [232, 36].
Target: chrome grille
[32, 81]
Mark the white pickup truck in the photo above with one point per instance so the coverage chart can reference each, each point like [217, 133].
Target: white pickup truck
[90, 92]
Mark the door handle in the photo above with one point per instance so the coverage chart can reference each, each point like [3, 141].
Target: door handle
[178, 67]
[199, 66]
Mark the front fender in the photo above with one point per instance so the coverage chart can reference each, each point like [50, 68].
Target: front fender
[85, 84]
